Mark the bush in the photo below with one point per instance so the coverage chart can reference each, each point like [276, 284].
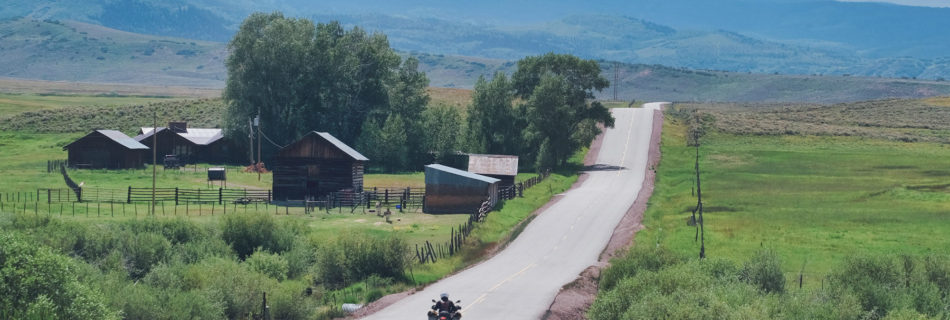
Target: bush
[269, 264]
[38, 282]
[764, 271]
[354, 257]
[247, 232]
[638, 259]
[144, 250]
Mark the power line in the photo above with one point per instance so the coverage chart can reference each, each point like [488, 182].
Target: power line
[271, 141]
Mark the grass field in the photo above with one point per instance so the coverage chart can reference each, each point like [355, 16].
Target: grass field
[813, 199]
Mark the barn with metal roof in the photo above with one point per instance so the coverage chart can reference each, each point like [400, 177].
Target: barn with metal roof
[450, 190]
[106, 149]
[314, 166]
[188, 144]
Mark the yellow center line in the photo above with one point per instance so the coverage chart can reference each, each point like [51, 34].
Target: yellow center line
[484, 295]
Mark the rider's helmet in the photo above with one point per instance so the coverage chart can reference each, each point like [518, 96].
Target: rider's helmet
[444, 296]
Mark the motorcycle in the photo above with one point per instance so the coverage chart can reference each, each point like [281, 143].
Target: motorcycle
[453, 314]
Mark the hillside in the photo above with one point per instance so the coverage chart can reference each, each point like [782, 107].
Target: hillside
[75, 51]
[79, 52]
[791, 37]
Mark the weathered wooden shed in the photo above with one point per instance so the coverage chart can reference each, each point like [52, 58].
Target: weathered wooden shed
[450, 190]
[106, 149]
[315, 166]
[501, 167]
[188, 144]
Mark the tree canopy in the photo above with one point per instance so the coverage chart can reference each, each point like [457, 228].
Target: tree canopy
[556, 115]
[300, 77]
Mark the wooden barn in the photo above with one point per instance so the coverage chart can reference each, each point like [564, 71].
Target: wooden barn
[315, 166]
[106, 149]
[450, 190]
[190, 145]
[501, 167]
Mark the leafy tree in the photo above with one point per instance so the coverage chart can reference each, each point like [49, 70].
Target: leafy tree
[491, 117]
[392, 143]
[302, 77]
[442, 125]
[560, 120]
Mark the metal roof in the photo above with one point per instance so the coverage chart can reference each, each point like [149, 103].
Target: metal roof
[465, 174]
[340, 145]
[197, 136]
[494, 164]
[118, 137]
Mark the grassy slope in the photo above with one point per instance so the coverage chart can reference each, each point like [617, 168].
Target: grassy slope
[813, 199]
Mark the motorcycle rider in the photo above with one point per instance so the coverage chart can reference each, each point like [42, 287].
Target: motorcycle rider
[444, 304]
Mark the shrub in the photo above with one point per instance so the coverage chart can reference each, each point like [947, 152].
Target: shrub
[37, 282]
[638, 259]
[269, 264]
[875, 280]
[764, 271]
[247, 232]
[355, 256]
[144, 250]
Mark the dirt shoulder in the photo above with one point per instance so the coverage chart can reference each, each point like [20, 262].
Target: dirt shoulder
[576, 297]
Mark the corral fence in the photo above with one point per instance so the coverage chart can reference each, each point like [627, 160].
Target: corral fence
[371, 199]
[55, 165]
[430, 253]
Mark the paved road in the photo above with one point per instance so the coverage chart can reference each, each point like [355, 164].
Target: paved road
[521, 281]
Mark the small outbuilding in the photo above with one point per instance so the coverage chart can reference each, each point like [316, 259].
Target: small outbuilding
[450, 190]
[501, 167]
[315, 166]
[106, 149]
[189, 145]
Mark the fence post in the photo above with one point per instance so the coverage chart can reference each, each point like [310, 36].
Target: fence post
[49, 196]
[220, 195]
[129, 198]
[79, 195]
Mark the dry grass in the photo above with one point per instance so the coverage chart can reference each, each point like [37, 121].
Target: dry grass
[939, 101]
[459, 98]
[12, 85]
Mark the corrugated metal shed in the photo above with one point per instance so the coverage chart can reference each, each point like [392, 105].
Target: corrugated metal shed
[452, 172]
[503, 167]
[450, 190]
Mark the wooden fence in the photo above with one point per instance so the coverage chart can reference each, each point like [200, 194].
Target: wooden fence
[430, 253]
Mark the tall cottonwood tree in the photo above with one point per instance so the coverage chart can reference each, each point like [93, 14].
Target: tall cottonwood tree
[560, 113]
[492, 119]
[302, 76]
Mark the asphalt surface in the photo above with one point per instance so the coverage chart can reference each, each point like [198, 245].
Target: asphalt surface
[521, 281]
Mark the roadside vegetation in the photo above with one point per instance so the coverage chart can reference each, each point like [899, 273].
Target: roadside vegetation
[845, 205]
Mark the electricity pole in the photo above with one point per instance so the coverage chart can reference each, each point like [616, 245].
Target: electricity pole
[154, 154]
[257, 167]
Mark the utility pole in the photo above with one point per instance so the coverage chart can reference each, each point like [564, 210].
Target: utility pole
[257, 167]
[250, 138]
[616, 79]
[154, 154]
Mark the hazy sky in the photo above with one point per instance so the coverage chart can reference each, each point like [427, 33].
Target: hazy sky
[924, 3]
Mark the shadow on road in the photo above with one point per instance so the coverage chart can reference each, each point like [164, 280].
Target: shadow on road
[603, 167]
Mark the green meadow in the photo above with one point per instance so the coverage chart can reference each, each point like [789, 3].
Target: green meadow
[814, 200]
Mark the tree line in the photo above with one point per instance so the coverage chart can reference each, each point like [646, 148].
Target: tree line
[299, 76]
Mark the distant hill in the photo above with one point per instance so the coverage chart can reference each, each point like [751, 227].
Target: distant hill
[74, 51]
[766, 36]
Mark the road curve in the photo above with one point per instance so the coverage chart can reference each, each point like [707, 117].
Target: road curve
[521, 281]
